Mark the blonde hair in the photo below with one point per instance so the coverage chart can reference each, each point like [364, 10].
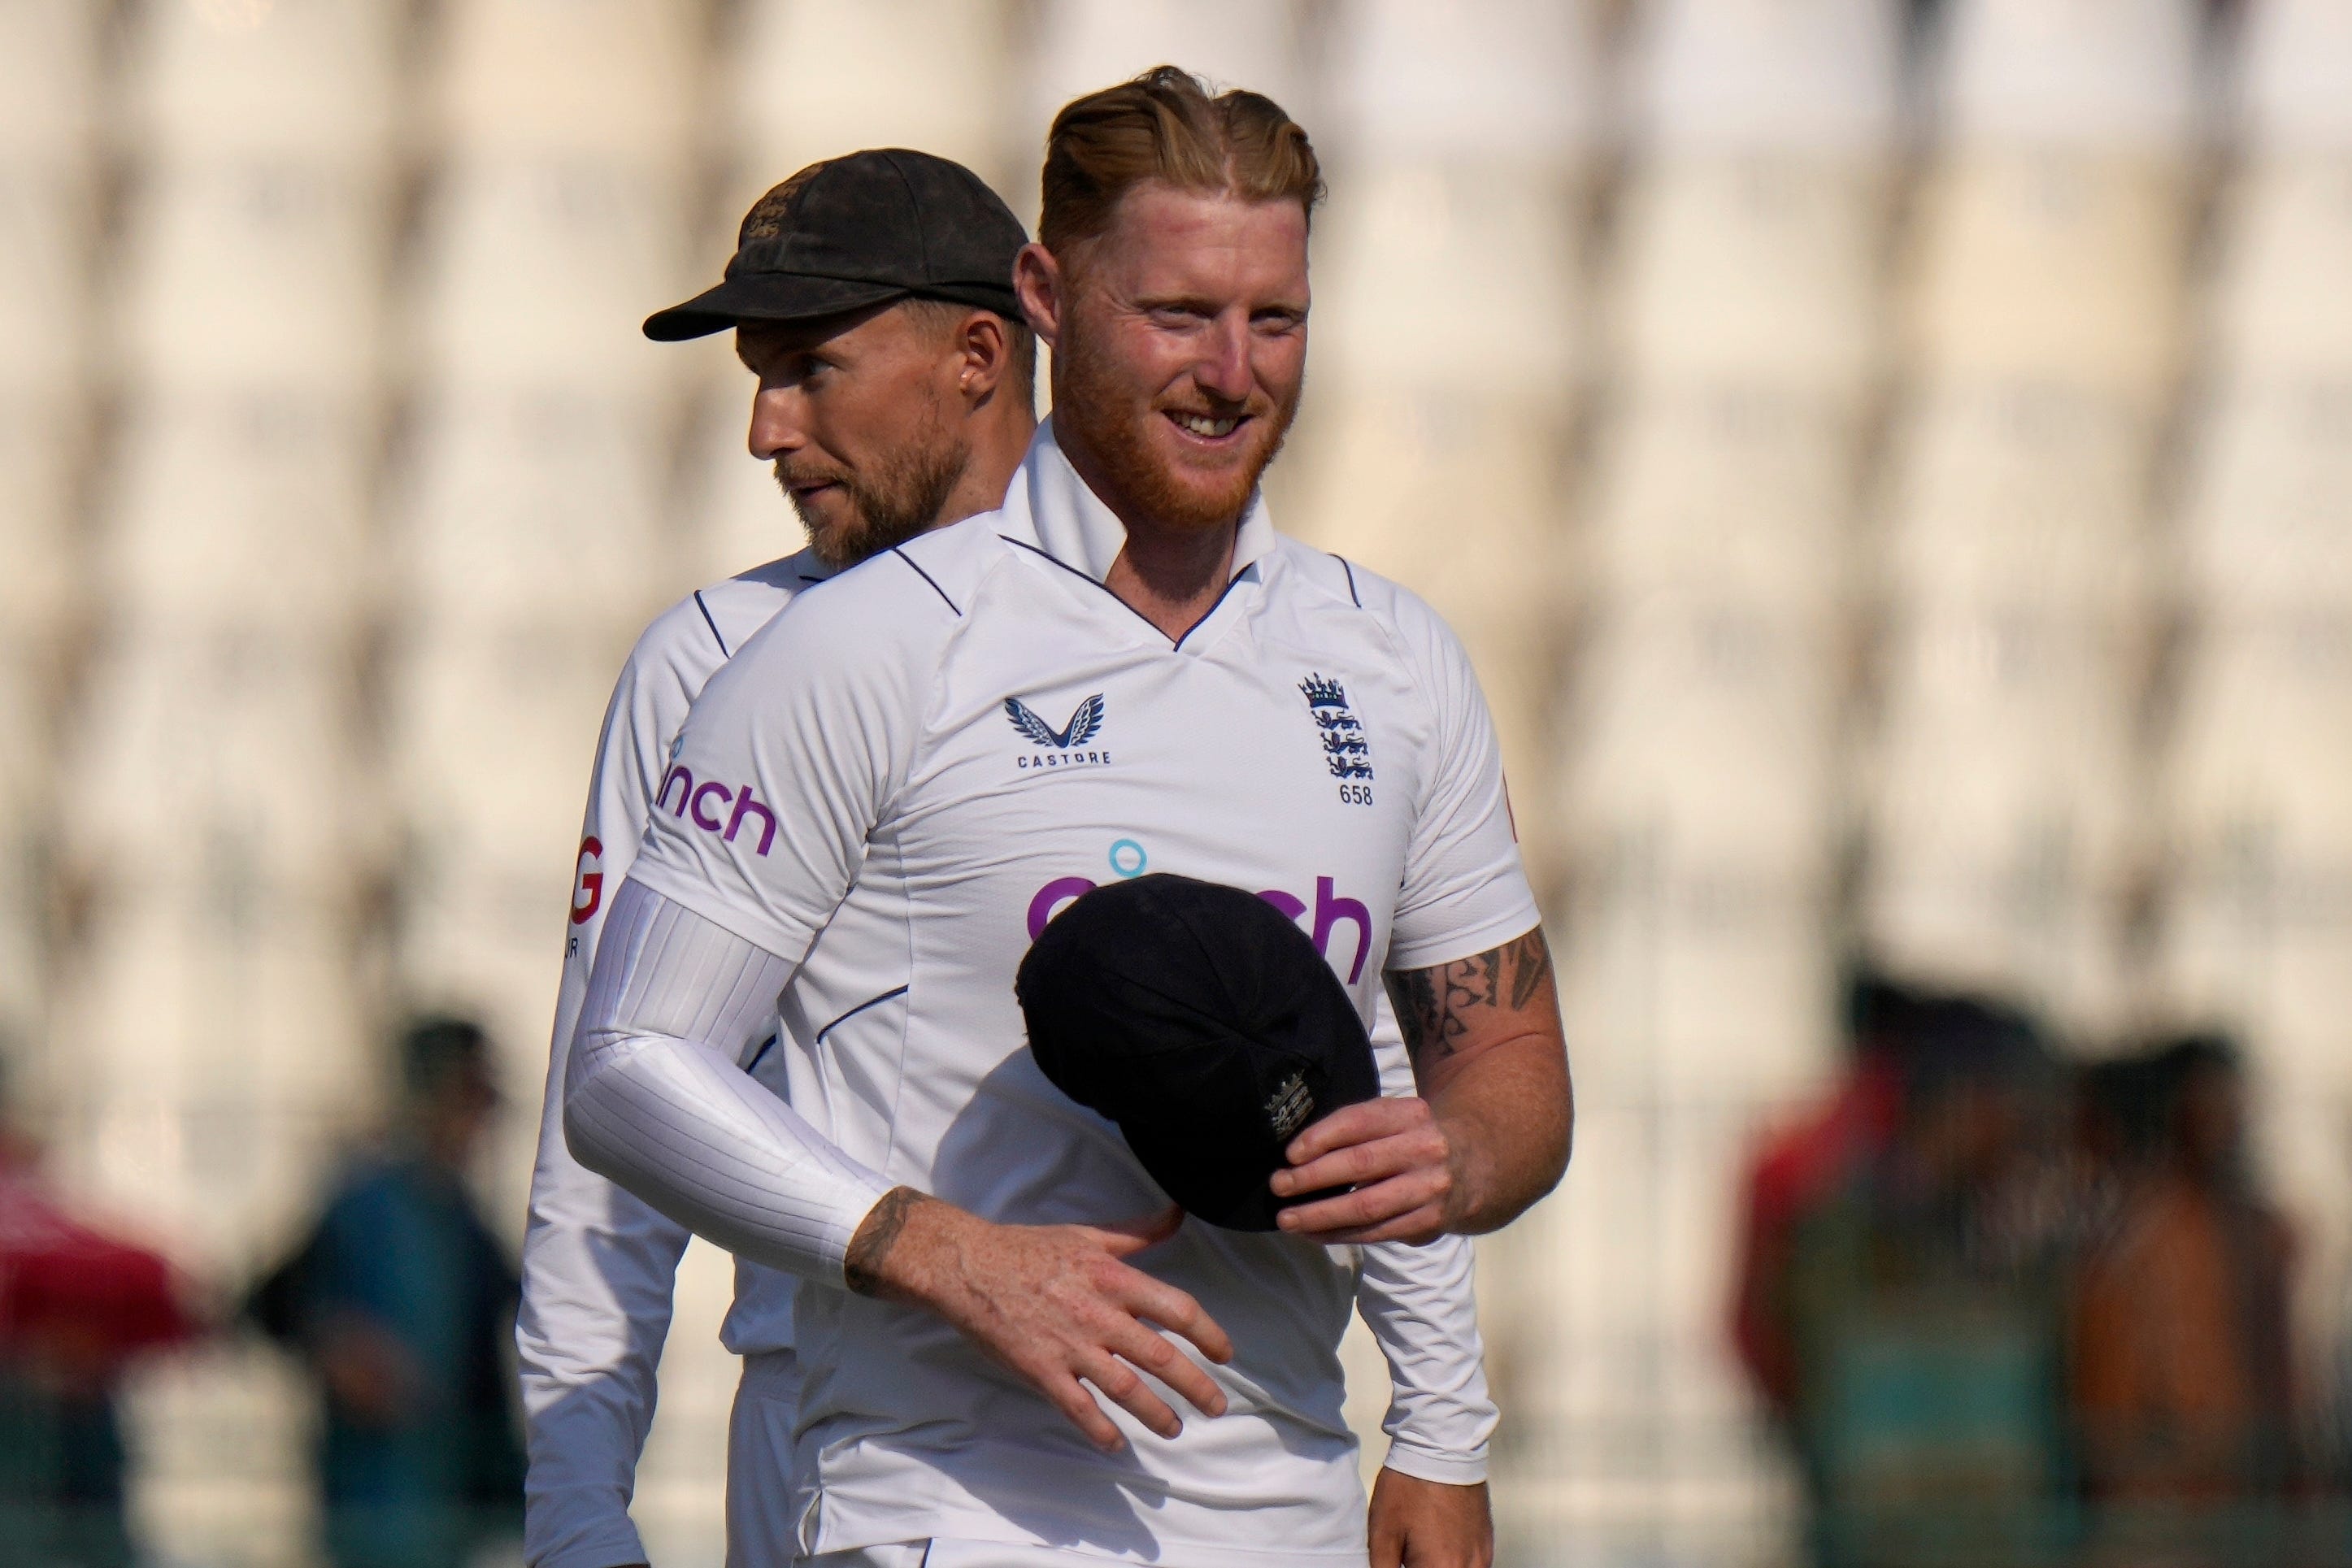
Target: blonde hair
[1164, 126]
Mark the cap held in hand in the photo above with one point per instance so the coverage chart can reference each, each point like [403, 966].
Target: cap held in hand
[1206, 1025]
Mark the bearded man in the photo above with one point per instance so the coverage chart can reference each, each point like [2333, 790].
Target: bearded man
[997, 1316]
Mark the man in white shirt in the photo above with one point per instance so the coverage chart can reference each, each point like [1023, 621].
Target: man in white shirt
[864, 447]
[879, 801]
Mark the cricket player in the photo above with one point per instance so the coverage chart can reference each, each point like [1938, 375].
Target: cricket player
[897, 782]
[899, 414]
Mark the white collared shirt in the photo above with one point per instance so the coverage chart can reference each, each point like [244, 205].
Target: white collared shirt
[893, 786]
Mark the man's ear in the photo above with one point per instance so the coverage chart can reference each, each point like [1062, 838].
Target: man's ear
[1037, 281]
[984, 354]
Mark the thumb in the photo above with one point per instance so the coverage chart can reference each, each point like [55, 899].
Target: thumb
[1128, 1236]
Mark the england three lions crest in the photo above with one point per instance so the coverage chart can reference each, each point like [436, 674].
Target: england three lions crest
[1345, 749]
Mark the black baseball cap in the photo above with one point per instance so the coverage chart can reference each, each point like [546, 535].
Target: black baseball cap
[1203, 1022]
[860, 230]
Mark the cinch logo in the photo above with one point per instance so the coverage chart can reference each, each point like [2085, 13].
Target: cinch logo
[691, 798]
[1330, 910]
[1058, 743]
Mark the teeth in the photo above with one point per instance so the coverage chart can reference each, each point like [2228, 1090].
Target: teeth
[1202, 425]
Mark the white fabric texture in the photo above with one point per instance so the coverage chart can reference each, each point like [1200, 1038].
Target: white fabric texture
[598, 1264]
[890, 790]
[658, 1100]
[760, 1530]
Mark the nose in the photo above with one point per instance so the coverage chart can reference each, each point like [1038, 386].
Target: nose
[1223, 371]
[776, 429]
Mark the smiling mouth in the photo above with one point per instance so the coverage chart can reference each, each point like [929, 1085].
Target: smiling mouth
[1208, 427]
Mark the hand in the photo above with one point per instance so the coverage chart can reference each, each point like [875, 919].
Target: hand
[1428, 1524]
[1396, 1156]
[1056, 1303]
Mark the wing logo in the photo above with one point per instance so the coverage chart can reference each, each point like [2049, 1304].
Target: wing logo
[1063, 746]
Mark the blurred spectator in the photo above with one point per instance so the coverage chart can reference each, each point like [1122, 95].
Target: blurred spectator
[1808, 1161]
[1925, 1309]
[403, 1303]
[2184, 1394]
[76, 1309]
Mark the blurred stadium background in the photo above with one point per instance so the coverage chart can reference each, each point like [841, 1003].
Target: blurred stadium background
[1892, 463]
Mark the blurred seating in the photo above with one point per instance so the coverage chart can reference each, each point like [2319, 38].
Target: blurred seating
[263, 273]
[1754, 269]
[245, 510]
[2262, 525]
[227, 759]
[1813, 79]
[1732, 490]
[42, 438]
[537, 271]
[537, 509]
[1477, 81]
[488, 731]
[316, 78]
[2088, 74]
[2279, 303]
[532, 78]
[816, 79]
[50, 54]
[47, 218]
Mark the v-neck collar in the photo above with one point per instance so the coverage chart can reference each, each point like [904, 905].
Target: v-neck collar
[1067, 521]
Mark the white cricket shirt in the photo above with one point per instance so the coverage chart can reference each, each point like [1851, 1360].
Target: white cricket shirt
[598, 1265]
[918, 763]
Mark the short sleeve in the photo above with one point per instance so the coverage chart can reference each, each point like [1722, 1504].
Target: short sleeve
[784, 765]
[1465, 889]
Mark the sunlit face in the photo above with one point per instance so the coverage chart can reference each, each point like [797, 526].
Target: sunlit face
[857, 414]
[1179, 349]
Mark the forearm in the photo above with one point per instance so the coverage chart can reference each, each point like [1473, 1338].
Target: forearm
[1419, 1303]
[598, 1271]
[1508, 1117]
[657, 1102]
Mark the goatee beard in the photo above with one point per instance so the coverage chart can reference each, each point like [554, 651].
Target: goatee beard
[1089, 402]
[903, 497]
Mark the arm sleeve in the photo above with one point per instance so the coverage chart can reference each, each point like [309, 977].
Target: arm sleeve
[1463, 889]
[1419, 1303]
[599, 1265]
[657, 1101]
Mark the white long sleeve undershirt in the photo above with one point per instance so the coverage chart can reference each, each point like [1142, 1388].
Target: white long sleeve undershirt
[657, 1101]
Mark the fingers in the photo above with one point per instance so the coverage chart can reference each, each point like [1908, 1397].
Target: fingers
[1358, 1124]
[1180, 1314]
[1410, 1207]
[1122, 1386]
[1150, 1352]
[1070, 1396]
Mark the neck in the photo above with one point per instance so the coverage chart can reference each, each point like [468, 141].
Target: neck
[1169, 574]
[998, 445]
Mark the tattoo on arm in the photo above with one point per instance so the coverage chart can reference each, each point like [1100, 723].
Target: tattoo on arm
[862, 1263]
[1436, 1008]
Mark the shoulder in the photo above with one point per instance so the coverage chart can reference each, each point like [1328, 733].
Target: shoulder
[707, 626]
[874, 624]
[732, 610]
[1417, 633]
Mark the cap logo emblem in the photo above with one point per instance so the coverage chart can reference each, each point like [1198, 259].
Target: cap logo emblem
[1290, 1107]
